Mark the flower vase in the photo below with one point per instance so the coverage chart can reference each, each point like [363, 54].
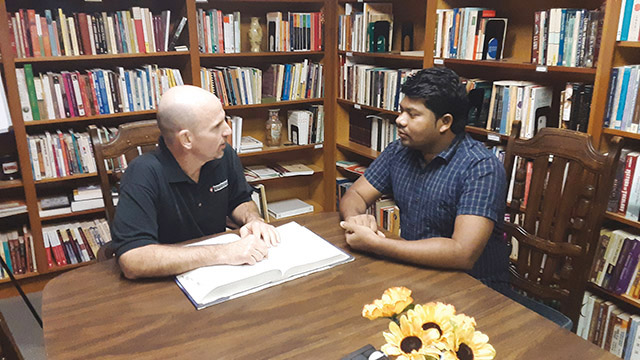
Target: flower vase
[255, 34]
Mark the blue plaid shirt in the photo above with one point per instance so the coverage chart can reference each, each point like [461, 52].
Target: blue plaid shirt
[464, 179]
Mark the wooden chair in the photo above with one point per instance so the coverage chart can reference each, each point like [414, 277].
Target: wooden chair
[556, 225]
[8, 347]
[133, 139]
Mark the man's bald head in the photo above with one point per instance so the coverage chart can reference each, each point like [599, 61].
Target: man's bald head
[185, 107]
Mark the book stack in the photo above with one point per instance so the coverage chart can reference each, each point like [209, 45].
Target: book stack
[88, 198]
[609, 327]
[342, 184]
[282, 169]
[373, 131]
[352, 167]
[567, 37]
[60, 154]
[373, 86]
[575, 101]
[74, 243]
[623, 108]
[303, 80]
[366, 27]
[306, 126]
[387, 214]
[218, 32]
[295, 31]
[250, 144]
[470, 33]
[286, 208]
[54, 205]
[10, 208]
[92, 92]
[122, 32]
[233, 85]
[615, 265]
[16, 249]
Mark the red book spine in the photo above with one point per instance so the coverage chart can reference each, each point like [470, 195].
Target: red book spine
[140, 35]
[96, 106]
[83, 26]
[84, 94]
[12, 36]
[68, 88]
[25, 33]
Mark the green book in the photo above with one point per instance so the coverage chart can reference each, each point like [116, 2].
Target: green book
[31, 89]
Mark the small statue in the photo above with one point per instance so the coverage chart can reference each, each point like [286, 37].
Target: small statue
[255, 34]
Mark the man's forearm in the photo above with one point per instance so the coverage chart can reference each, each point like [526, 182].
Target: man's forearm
[352, 204]
[434, 252]
[245, 213]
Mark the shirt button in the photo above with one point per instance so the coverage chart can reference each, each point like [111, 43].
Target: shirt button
[199, 204]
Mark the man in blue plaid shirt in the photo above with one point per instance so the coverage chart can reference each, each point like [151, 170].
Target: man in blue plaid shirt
[450, 189]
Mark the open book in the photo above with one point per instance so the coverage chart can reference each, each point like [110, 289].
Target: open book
[300, 253]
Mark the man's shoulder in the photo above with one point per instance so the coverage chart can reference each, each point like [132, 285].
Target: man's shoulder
[143, 167]
[478, 155]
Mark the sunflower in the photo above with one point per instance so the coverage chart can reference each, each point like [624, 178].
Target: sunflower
[408, 341]
[466, 343]
[394, 300]
[434, 316]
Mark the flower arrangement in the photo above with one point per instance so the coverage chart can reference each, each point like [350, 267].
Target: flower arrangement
[431, 331]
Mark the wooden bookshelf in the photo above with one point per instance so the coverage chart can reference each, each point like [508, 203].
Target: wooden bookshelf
[123, 116]
[366, 107]
[66, 178]
[263, 55]
[73, 214]
[621, 219]
[523, 67]
[358, 149]
[279, 149]
[274, 104]
[628, 44]
[490, 136]
[317, 171]
[635, 303]
[390, 56]
[10, 184]
[101, 58]
[624, 134]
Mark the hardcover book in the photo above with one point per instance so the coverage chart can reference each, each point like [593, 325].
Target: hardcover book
[300, 253]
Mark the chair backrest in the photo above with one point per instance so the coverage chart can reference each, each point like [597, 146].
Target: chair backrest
[557, 206]
[132, 140]
[8, 347]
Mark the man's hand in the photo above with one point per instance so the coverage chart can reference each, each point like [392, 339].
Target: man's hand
[363, 220]
[249, 249]
[361, 237]
[262, 230]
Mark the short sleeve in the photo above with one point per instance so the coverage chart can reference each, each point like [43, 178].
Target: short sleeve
[135, 223]
[378, 174]
[240, 191]
[484, 190]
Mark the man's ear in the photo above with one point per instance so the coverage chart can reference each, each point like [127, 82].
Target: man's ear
[185, 139]
[446, 121]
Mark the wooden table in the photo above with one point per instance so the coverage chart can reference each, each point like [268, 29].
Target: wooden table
[93, 312]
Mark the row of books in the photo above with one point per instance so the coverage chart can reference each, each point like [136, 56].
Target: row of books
[342, 185]
[615, 263]
[121, 32]
[74, 243]
[623, 107]
[306, 127]
[470, 33]
[16, 249]
[629, 21]
[295, 81]
[80, 199]
[575, 106]
[366, 27]
[370, 85]
[567, 37]
[233, 85]
[387, 214]
[609, 327]
[295, 31]
[95, 92]
[60, 154]
[624, 198]
[218, 32]
[12, 207]
[373, 131]
[282, 169]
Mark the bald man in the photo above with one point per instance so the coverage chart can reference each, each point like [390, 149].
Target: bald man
[185, 189]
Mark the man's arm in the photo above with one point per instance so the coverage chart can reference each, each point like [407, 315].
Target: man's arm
[247, 215]
[470, 235]
[165, 260]
[356, 200]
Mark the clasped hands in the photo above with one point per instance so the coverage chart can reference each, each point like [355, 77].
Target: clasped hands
[361, 231]
[256, 237]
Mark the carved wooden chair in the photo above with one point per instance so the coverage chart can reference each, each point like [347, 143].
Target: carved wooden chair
[556, 231]
[132, 140]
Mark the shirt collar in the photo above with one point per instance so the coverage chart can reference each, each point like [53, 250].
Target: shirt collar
[448, 153]
[170, 165]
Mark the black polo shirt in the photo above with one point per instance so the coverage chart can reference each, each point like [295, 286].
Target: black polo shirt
[160, 204]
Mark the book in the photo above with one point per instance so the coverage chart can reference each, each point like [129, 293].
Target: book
[291, 207]
[300, 253]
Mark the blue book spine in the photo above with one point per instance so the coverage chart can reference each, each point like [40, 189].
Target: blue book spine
[7, 255]
[628, 346]
[244, 83]
[453, 53]
[76, 150]
[626, 20]
[623, 97]
[125, 46]
[149, 94]
[52, 39]
[104, 104]
[610, 99]
[563, 29]
[287, 82]
[127, 81]
[505, 110]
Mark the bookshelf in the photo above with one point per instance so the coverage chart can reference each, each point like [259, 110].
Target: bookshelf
[316, 189]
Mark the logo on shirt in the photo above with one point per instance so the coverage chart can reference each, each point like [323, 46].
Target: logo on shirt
[220, 186]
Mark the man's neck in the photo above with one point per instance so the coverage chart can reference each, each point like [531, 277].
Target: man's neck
[187, 163]
[434, 149]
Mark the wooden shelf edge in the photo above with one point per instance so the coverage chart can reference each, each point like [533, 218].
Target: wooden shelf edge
[279, 149]
[66, 178]
[20, 277]
[316, 171]
[56, 269]
[260, 54]
[624, 298]
[50, 59]
[628, 44]
[121, 115]
[358, 149]
[621, 219]
[273, 104]
[10, 184]
[387, 55]
[366, 107]
[624, 134]
[72, 214]
[518, 66]
[491, 135]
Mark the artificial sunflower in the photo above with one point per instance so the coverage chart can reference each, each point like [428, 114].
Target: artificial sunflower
[394, 300]
[466, 343]
[408, 341]
[434, 315]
